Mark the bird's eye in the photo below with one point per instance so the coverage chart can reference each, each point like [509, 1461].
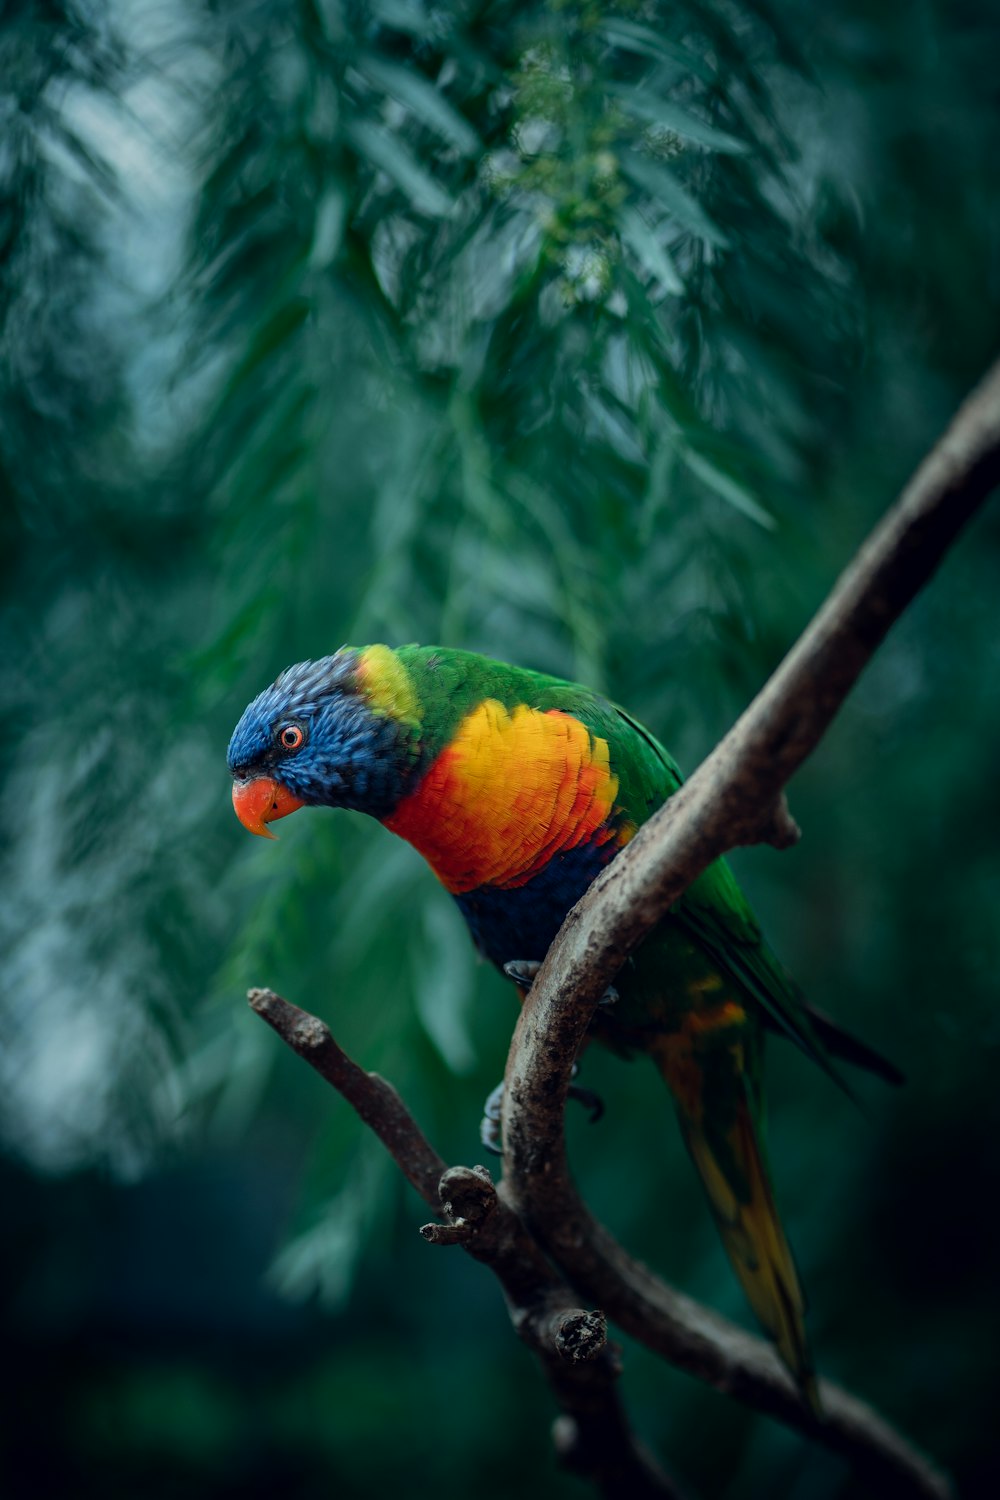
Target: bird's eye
[290, 737]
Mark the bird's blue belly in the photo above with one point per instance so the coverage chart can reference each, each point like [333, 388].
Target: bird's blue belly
[520, 922]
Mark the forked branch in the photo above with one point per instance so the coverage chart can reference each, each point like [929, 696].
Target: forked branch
[593, 1436]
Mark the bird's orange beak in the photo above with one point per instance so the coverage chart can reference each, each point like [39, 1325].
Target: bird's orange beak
[261, 801]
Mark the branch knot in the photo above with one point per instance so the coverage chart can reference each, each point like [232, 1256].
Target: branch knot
[468, 1197]
[579, 1336]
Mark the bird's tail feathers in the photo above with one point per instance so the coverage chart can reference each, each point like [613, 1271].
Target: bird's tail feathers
[843, 1044]
[734, 1173]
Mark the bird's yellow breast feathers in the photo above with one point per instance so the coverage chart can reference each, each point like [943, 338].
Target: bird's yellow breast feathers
[511, 790]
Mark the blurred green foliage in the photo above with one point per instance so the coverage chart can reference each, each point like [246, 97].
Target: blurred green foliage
[591, 336]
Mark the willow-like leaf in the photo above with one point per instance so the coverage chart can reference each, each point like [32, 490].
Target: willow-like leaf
[386, 150]
[664, 188]
[425, 102]
[728, 488]
[645, 104]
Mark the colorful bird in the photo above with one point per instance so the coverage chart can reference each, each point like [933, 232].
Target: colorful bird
[518, 788]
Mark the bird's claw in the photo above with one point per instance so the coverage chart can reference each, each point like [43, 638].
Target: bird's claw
[489, 1125]
[590, 1101]
[522, 971]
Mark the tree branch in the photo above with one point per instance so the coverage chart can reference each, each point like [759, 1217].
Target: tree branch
[593, 1437]
[735, 797]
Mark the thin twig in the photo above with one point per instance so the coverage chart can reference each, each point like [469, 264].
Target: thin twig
[735, 797]
[376, 1101]
[593, 1437]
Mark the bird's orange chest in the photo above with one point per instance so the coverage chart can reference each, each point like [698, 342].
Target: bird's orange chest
[512, 789]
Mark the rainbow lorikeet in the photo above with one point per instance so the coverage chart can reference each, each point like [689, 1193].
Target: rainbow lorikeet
[518, 788]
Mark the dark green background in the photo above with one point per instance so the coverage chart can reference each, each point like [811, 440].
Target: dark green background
[595, 337]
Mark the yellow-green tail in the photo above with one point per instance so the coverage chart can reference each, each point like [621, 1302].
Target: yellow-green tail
[732, 1167]
[756, 1245]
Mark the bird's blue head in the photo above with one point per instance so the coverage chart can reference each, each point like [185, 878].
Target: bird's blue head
[325, 733]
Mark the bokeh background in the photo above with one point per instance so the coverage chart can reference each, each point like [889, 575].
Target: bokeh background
[593, 336]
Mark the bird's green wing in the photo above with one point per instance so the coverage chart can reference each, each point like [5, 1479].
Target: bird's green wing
[714, 911]
[717, 914]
